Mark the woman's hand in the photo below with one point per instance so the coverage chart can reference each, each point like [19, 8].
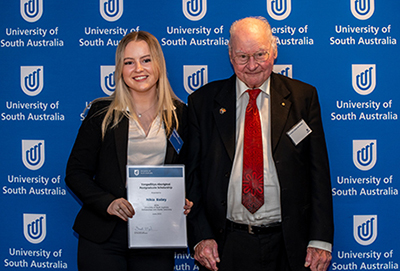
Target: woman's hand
[121, 208]
[188, 206]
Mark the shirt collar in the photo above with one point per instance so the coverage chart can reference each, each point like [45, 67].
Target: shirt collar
[242, 88]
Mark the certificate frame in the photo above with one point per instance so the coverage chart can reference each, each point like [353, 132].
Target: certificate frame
[157, 194]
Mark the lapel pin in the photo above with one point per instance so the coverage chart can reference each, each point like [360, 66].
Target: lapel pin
[283, 104]
[222, 110]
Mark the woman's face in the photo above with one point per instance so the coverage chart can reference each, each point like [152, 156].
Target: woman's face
[138, 72]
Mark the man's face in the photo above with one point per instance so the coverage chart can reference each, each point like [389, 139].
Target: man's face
[249, 42]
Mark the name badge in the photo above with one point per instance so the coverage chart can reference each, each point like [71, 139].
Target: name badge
[176, 141]
[299, 132]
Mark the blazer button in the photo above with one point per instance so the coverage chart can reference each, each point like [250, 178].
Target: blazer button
[223, 203]
[227, 175]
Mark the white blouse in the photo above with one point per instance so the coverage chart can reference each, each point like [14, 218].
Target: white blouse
[150, 149]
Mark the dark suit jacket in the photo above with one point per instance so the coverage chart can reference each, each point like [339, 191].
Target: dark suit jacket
[96, 169]
[303, 170]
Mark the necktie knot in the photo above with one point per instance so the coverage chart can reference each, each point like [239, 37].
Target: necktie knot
[253, 93]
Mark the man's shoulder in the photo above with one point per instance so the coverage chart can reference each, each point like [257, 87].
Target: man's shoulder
[211, 89]
[289, 82]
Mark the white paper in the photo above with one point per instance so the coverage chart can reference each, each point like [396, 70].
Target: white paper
[157, 194]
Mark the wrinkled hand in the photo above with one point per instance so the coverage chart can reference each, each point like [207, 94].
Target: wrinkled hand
[317, 259]
[121, 208]
[188, 206]
[206, 253]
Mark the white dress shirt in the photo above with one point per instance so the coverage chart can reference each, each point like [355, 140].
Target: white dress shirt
[270, 212]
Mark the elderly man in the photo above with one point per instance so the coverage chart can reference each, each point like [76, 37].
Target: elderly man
[258, 170]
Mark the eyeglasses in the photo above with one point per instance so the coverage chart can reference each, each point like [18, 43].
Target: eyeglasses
[259, 57]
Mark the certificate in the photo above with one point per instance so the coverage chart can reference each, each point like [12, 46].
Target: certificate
[157, 194]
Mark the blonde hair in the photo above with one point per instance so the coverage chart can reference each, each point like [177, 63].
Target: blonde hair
[121, 99]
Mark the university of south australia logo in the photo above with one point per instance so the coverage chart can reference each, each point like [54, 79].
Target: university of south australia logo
[279, 9]
[365, 229]
[194, 77]
[111, 10]
[31, 10]
[362, 9]
[31, 80]
[33, 154]
[363, 78]
[35, 227]
[194, 10]
[107, 80]
[364, 154]
[285, 70]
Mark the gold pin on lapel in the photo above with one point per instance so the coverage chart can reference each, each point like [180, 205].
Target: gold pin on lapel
[283, 104]
[222, 111]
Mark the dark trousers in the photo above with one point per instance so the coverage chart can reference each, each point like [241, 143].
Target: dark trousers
[115, 255]
[243, 251]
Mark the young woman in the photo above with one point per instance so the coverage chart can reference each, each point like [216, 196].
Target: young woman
[131, 127]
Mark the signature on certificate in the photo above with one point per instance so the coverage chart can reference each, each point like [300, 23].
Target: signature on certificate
[143, 229]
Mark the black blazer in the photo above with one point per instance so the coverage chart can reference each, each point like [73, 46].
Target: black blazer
[96, 169]
[303, 170]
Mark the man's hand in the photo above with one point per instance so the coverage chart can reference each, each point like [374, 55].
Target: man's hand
[206, 253]
[317, 259]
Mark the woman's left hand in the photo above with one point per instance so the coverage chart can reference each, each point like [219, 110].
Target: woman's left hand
[188, 206]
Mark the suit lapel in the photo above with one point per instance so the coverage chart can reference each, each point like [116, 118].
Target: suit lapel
[171, 155]
[224, 112]
[280, 108]
[121, 143]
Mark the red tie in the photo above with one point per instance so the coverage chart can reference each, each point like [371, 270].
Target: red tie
[253, 165]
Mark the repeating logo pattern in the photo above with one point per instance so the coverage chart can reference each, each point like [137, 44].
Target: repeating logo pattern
[107, 79]
[35, 227]
[364, 154]
[111, 10]
[31, 10]
[194, 10]
[364, 78]
[32, 79]
[362, 9]
[279, 9]
[285, 70]
[33, 154]
[194, 76]
[365, 229]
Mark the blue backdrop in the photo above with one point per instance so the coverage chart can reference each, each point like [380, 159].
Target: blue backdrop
[57, 56]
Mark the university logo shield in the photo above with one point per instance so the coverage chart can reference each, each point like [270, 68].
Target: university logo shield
[364, 154]
[33, 154]
[194, 77]
[194, 10]
[362, 9]
[285, 70]
[31, 79]
[365, 229]
[31, 10]
[363, 78]
[107, 79]
[35, 227]
[111, 10]
[279, 9]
